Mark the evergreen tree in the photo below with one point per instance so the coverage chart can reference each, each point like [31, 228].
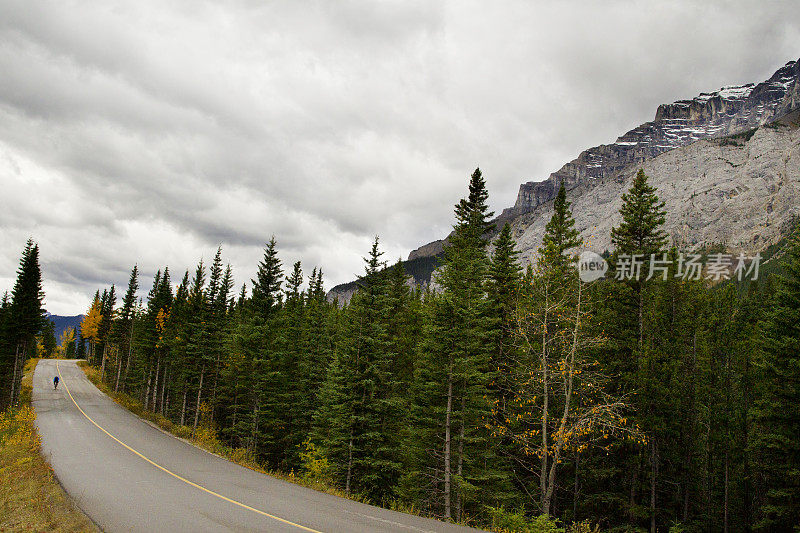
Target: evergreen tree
[505, 275]
[48, 338]
[359, 420]
[107, 304]
[25, 319]
[267, 285]
[776, 411]
[560, 234]
[638, 237]
[450, 441]
[474, 207]
[123, 329]
[640, 231]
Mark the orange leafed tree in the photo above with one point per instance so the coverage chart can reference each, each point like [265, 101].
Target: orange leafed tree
[90, 325]
[67, 338]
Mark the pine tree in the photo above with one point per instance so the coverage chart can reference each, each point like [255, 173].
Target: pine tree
[198, 344]
[107, 305]
[316, 357]
[776, 411]
[474, 207]
[505, 275]
[7, 347]
[359, 421]
[643, 215]
[254, 348]
[560, 234]
[267, 285]
[292, 350]
[48, 338]
[639, 236]
[25, 320]
[450, 441]
[123, 329]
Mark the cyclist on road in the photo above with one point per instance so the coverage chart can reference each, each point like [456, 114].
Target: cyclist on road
[55, 383]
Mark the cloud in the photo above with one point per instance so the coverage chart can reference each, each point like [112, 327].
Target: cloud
[150, 133]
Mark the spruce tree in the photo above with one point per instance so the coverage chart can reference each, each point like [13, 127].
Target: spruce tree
[776, 410]
[503, 286]
[450, 439]
[639, 236]
[123, 329]
[26, 318]
[267, 285]
[560, 234]
[643, 215]
[361, 411]
[48, 337]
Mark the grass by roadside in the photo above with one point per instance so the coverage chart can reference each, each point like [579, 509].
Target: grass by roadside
[30, 497]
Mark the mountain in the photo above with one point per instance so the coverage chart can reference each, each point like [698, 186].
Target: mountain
[726, 164]
[728, 111]
[64, 322]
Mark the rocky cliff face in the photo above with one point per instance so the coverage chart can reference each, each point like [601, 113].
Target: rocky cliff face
[726, 164]
[724, 112]
[741, 191]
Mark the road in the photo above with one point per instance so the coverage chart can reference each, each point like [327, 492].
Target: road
[128, 475]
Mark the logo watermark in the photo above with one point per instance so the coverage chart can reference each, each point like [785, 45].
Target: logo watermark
[591, 266]
[716, 267]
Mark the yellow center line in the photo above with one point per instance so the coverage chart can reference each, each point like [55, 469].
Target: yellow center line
[173, 474]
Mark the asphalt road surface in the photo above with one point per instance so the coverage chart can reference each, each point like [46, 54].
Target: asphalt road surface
[130, 476]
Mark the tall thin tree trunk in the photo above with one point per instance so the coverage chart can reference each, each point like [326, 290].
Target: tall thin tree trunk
[746, 443]
[254, 425]
[183, 406]
[147, 388]
[164, 389]
[119, 372]
[558, 446]
[199, 395]
[349, 463]
[154, 390]
[575, 489]
[725, 510]
[12, 397]
[460, 467]
[687, 467]
[728, 409]
[130, 351]
[103, 363]
[653, 479]
[214, 387]
[447, 511]
[235, 409]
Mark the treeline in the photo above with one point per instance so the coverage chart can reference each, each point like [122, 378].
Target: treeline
[25, 329]
[23, 326]
[504, 395]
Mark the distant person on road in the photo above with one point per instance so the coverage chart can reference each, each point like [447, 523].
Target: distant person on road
[55, 383]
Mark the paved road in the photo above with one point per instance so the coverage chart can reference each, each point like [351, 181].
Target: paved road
[129, 476]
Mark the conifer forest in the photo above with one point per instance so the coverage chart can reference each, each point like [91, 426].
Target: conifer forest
[499, 396]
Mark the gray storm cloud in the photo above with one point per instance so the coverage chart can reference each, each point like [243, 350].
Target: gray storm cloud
[151, 132]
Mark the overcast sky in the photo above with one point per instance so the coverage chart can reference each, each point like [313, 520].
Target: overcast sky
[151, 132]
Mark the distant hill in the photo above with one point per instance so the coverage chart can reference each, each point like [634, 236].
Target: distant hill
[64, 322]
[418, 269]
